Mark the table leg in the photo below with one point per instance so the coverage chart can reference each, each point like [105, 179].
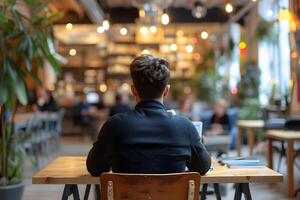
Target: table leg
[70, 189]
[270, 153]
[204, 191]
[217, 191]
[251, 140]
[97, 192]
[290, 165]
[239, 141]
[242, 188]
[87, 192]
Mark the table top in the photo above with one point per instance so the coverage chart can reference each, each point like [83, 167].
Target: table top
[23, 117]
[72, 170]
[283, 135]
[250, 123]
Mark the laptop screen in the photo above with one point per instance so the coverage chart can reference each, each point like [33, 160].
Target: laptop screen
[198, 126]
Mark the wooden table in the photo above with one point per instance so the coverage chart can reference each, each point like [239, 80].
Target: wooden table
[290, 137]
[250, 126]
[71, 171]
[21, 118]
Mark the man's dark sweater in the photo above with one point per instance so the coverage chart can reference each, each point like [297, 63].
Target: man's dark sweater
[148, 140]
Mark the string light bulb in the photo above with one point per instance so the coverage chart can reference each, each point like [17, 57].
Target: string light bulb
[204, 35]
[142, 13]
[105, 24]
[72, 52]
[173, 47]
[228, 8]
[189, 48]
[165, 19]
[123, 31]
[144, 30]
[103, 87]
[153, 29]
[100, 29]
[69, 26]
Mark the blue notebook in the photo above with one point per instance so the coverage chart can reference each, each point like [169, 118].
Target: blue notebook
[243, 163]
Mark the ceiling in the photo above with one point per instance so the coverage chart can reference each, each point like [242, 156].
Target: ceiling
[175, 3]
[123, 11]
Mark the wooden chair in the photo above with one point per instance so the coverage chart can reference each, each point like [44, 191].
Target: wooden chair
[177, 186]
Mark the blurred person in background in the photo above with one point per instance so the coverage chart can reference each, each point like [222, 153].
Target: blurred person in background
[45, 102]
[186, 108]
[121, 104]
[220, 121]
[79, 109]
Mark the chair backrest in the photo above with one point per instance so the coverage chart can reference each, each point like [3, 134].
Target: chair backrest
[177, 186]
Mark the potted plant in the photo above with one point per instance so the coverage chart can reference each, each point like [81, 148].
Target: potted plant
[25, 42]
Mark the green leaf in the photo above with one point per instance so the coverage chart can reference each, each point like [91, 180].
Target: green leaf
[22, 46]
[35, 77]
[51, 59]
[10, 69]
[20, 91]
[18, 18]
[27, 63]
[9, 104]
[3, 19]
[8, 26]
[4, 91]
[1, 42]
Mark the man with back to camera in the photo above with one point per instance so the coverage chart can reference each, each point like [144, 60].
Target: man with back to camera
[148, 139]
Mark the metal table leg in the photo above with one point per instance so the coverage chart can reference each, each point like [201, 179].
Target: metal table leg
[87, 192]
[70, 189]
[242, 188]
[203, 191]
[217, 191]
[97, 192]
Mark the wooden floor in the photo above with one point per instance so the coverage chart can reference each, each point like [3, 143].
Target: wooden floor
[75, 146]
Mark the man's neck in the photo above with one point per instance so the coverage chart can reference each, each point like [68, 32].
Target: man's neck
[161, 100]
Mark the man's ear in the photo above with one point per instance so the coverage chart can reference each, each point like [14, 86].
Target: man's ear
[133, 91]
[166, 90]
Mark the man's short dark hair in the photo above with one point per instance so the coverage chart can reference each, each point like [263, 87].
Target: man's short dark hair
[150, 76]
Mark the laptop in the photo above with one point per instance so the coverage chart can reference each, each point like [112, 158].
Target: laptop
[198, 126]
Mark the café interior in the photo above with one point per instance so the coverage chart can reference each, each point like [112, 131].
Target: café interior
[65, 67]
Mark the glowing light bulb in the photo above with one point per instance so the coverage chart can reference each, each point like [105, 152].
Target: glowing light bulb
[189, 48]
[204, 35]
[72, 52]
[105, 24]
[165, 19]
[69, 26]
[173, 47]
[142, 13]
[123, 31]
[103, 87]
[153, 29]
[144, 30]
[100, 29]
[145, 51]
[229, 8]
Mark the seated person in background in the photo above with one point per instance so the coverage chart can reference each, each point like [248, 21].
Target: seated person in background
[79, 109]
[220, 121]
[148, 139]
[120, 105]
[45, 102]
